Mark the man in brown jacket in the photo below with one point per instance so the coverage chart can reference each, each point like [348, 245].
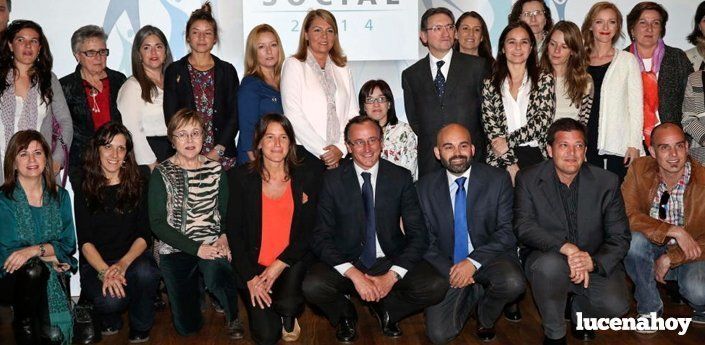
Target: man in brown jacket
[664, 196]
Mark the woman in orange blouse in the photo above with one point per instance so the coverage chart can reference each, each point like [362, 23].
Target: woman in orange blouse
[272, 206]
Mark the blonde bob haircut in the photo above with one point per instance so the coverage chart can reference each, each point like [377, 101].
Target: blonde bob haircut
[588, 36]
[252, 66]
[336, 52]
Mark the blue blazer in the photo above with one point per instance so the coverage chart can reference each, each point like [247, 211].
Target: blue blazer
[255, 98]
[489, 212]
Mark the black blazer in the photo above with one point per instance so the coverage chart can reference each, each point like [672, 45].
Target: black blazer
[540, 221]
[461, 104]
[489, 213]
[83, 127]
[178, 94]
[244, 218]
[339, 235]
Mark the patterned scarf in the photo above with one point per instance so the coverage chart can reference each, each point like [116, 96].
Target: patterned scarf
[327, 80]
[28, 117]
[59, 313]
[650, 82]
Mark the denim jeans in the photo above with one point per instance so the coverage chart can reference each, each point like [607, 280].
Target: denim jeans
[640, 267]
[142, 280]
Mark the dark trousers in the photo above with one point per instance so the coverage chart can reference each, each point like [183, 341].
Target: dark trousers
[497, 283]
[180, 272]
[161, 147]
[421, 287]
[27, 292]
[611, 163]
[142, 280]
[287, 301]
[548, 274]
[528, 156]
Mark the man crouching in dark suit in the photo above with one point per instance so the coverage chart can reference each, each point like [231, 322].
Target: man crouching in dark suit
[570, 217]
[361, 245]
[468, 212]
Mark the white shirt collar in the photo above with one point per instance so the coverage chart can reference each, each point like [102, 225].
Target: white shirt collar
[373, 171]
[452, 178]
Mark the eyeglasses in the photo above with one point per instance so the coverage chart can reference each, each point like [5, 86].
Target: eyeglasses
[438, 28]
[662, 205]
[183, 135]
[534, 13]
[92, 53]
[361, 142]
[371, 100]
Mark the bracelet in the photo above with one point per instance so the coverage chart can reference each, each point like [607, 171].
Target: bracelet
[42, 250]
[101, 274]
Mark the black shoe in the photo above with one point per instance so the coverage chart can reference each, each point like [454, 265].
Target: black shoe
[512, 312]
[346, 332]
[389, 328]
[584, 335]
[23, 331]
[235, 329]
[549, 341]
[138, 336]
[485, 334]
[84, 327]
[159, 303]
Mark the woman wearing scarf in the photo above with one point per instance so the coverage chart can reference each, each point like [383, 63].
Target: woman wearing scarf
[664, 69]
[37, 242]
[317, 89]
[30, 94]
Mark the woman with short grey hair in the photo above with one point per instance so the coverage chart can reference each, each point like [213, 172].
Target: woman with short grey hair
[91, 91]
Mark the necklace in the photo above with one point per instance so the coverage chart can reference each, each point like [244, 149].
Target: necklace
[93, 92]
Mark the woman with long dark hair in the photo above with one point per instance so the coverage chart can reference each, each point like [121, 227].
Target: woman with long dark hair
[141, 98]
[517, 105]
[37, 242]
[117, 270]
[696, 55]
[30, 94]
[472, 36]
[271, 211]
[202, 82]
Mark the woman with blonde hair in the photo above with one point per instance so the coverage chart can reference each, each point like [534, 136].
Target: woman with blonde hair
[259, 91]
[564, 52]
[317, 89]
[617, 116]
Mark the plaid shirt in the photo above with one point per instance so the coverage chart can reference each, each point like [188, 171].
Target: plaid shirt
[674, 208]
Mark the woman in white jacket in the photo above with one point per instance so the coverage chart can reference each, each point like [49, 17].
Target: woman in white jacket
[317, 89]
[616, 120]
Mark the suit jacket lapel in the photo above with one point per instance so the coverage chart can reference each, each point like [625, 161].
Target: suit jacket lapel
[475, 188]
[353, 189]
[429, 85]
[551, 193]
[586, 194]
[255, 190]
[443, 203]
[297, 194]
[453, 75]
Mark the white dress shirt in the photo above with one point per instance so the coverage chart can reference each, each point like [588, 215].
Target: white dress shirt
[342, 268]
[141, 118]
[444, 69]
[453, 187]
[515, 109]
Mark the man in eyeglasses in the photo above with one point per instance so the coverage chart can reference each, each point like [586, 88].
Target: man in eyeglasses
[360, 244]
[442, 88]
[665, 200]
[569, 217]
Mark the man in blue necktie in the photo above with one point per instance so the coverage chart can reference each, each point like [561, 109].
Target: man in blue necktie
[468, 212]
[360, 244]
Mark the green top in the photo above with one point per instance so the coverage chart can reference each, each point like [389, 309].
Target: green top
[187, 207]
[64, 241]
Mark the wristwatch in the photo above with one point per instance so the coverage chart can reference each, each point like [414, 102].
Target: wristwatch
[42, 250]
[397, 275]
[221, 152]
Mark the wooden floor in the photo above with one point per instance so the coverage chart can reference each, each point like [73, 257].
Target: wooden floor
[317, 330]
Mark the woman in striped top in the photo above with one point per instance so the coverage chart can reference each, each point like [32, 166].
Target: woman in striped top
[188, 196]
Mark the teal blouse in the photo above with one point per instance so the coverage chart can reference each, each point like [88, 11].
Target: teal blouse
[64, 243]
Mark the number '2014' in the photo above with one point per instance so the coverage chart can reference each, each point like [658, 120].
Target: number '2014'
[330, 2]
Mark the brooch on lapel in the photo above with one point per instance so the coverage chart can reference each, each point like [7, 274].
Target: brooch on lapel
[304, 198]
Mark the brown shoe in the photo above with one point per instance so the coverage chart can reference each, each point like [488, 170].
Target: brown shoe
[294, 334]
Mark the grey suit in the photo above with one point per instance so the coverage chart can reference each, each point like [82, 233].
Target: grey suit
[499, 279]
[460, 104]
[541, 225]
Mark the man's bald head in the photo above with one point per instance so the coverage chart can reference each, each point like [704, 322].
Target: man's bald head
[666, 128]
[452, 129]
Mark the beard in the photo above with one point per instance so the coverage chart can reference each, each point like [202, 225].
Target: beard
[461, 164]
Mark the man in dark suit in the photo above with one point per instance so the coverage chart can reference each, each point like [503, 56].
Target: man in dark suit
[443, 87]
[472, 242]
[570, 218]
[360, 244]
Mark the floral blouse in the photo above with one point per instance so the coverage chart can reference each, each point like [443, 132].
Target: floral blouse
[400, 147]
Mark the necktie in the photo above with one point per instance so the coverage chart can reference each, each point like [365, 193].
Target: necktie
[369, 251]
[440, 80]
[460, 222]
